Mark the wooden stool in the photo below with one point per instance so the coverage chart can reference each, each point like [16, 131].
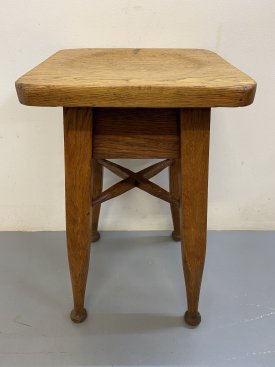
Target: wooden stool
[136, 103]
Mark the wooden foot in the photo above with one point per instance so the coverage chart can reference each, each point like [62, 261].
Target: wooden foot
[97, 181]
[175, 192]
[78, 156]
[78, 316]
[194, 144]
[192, 319]
[95, 236]
[176, 236]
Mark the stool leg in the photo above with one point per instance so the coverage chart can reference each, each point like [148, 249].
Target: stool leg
[78, 157]
[194, 143]
[97, 178]
[175, 191]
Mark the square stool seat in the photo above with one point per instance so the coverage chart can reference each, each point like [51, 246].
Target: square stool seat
[135, 78]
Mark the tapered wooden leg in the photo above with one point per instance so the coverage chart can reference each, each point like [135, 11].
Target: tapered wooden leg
[97, 181]
[194, 147]
[175, 191]
[78, 156]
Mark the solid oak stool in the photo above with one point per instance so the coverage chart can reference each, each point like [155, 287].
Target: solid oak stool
[136, 103]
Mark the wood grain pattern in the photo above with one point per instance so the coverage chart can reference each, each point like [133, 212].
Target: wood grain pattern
[147, 172]
[115, 190]
[194, 137]
[135, 179]
[136, 133]
[97, 182]
[156, 168]
[174, 187]
[141, 147]
[136, 78]
[157, 191]
[117, 169]
[78, 156]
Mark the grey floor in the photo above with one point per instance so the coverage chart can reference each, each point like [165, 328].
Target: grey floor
[136, 299]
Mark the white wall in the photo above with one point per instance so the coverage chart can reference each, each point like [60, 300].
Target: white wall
[242, 159]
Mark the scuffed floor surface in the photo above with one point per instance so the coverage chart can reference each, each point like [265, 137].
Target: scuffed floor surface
[135, 300]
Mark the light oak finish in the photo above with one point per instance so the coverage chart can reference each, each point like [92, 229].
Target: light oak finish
[136, 103]
[78, 124]
[136, 78]
[194, 143]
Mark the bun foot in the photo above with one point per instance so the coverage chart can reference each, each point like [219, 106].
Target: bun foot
[176, 236]
[79, 316]
[192, 319]
[95, 236]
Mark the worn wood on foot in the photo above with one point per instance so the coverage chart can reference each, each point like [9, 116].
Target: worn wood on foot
[78, 156]
[194, 143]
